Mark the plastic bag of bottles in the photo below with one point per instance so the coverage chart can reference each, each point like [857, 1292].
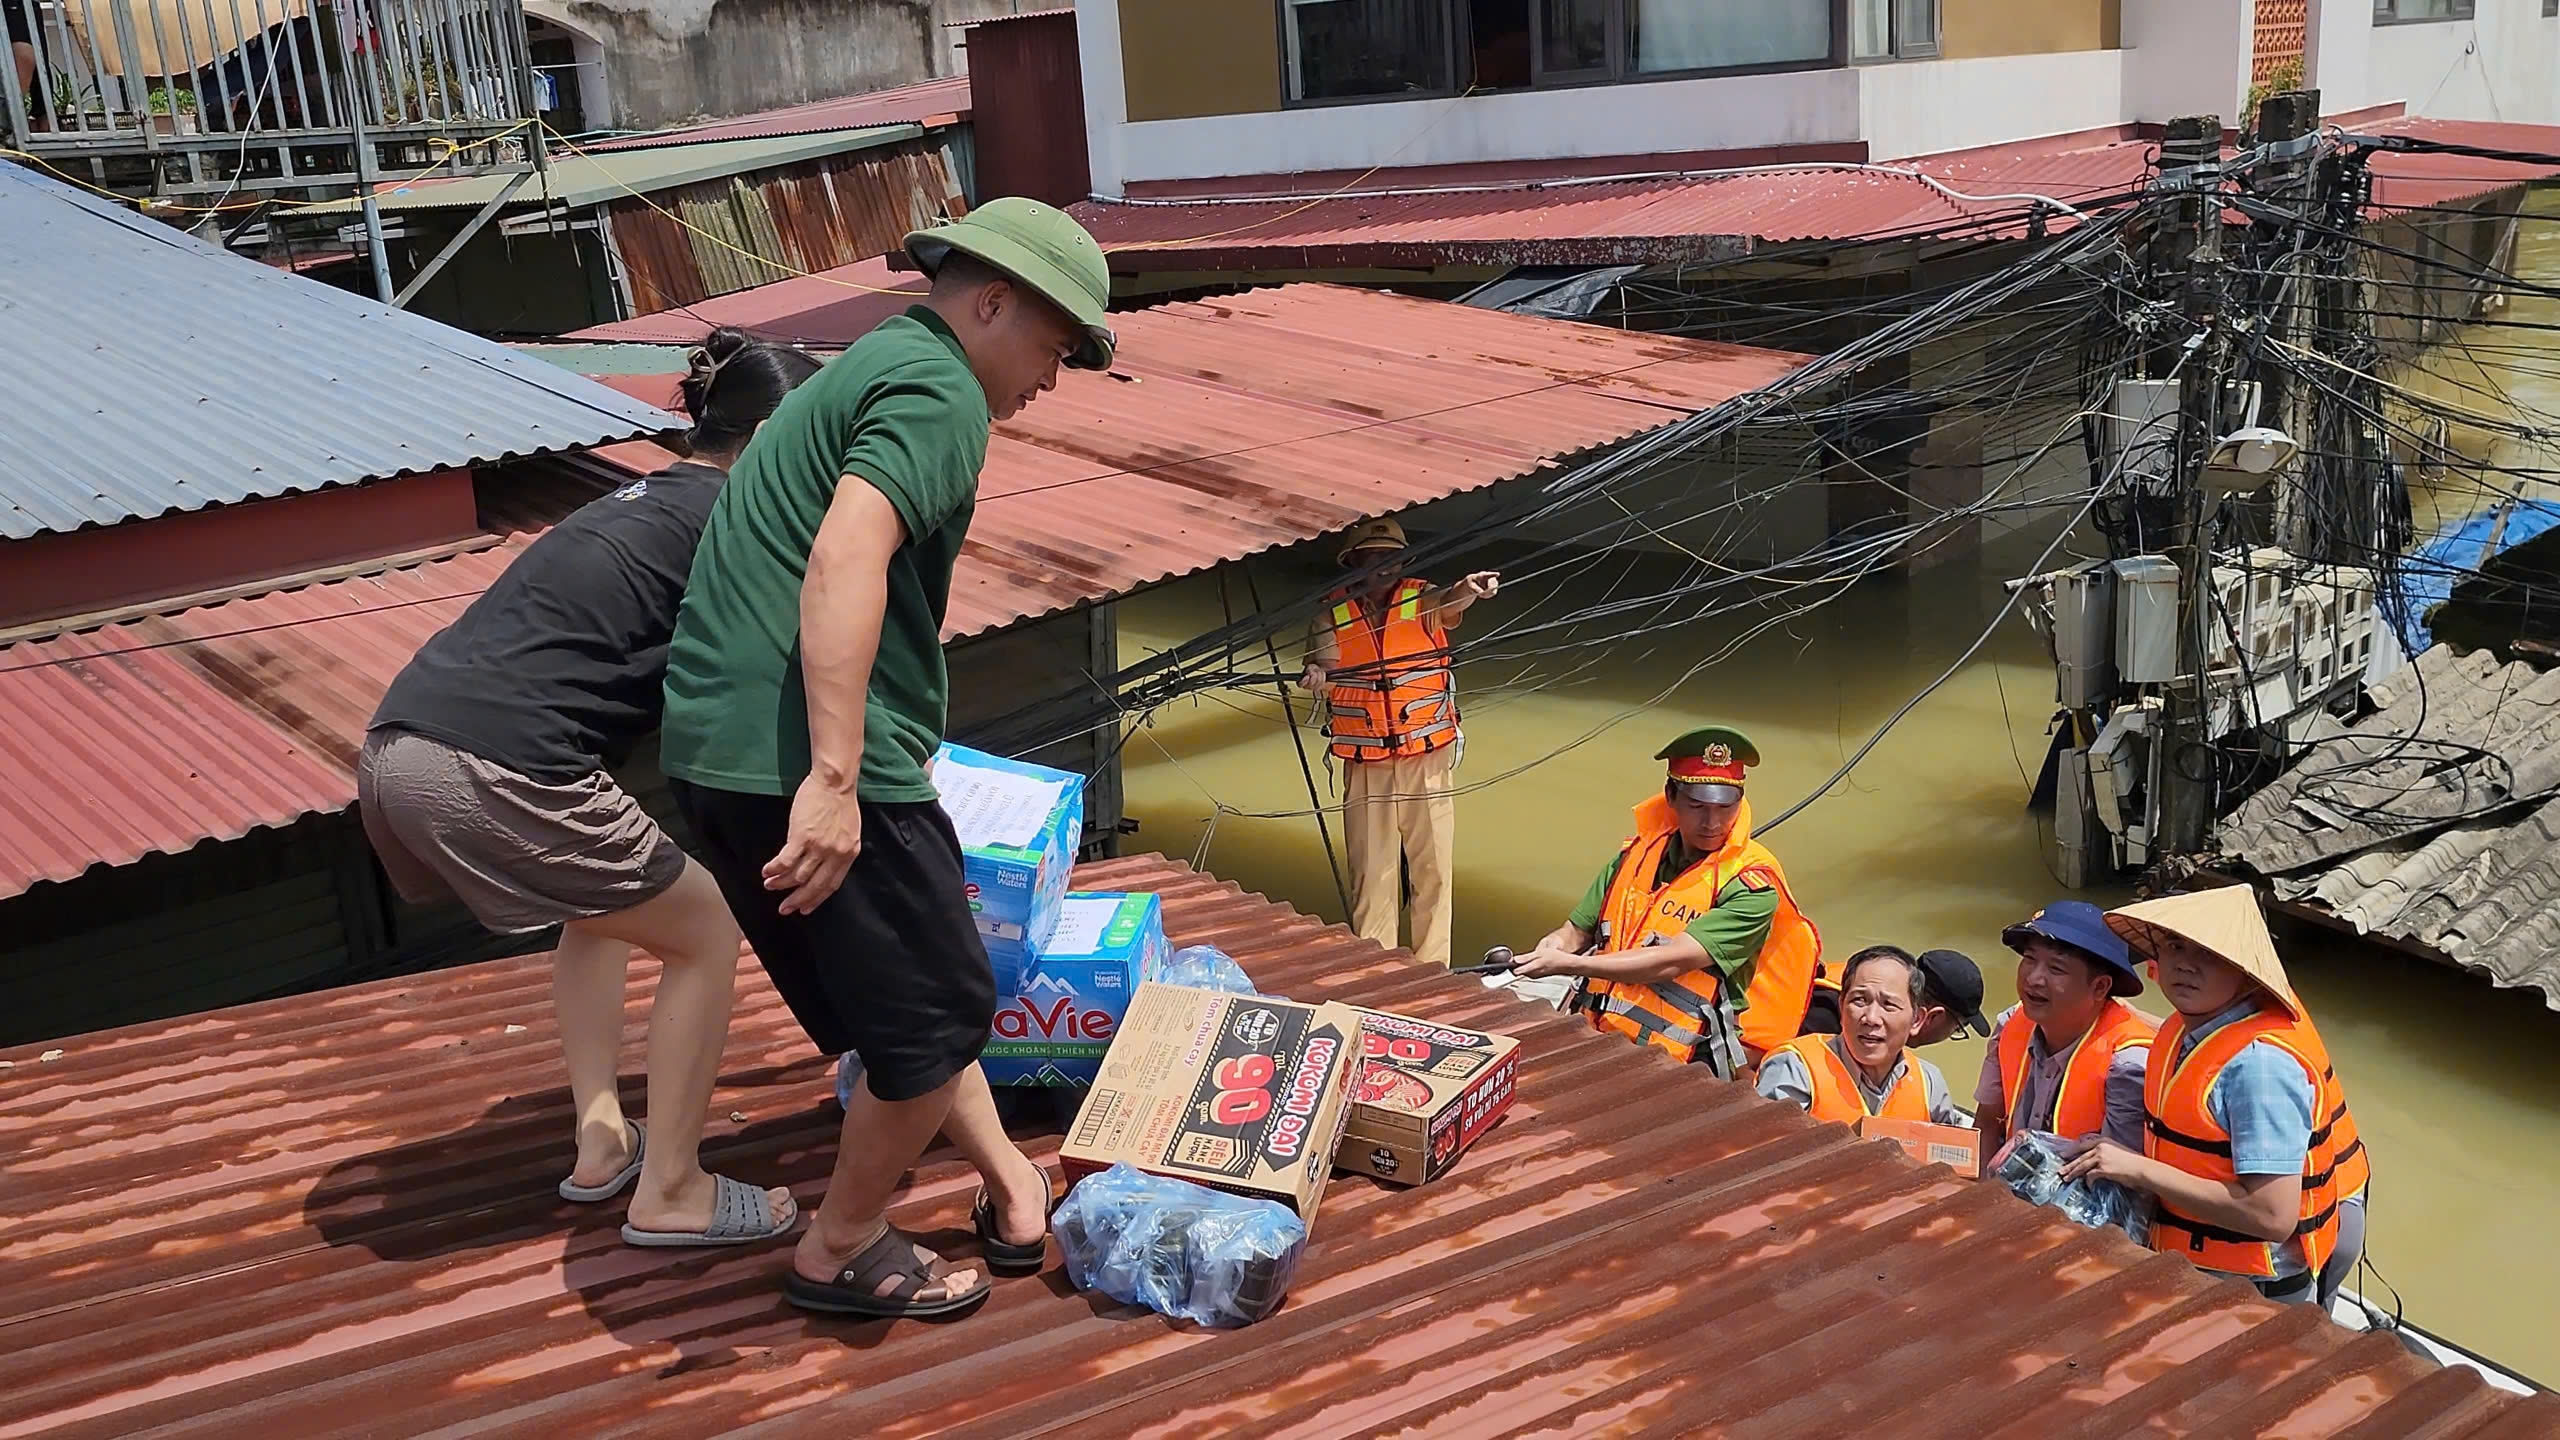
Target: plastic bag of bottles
[1203, 967]
[1177, 1248]
[2033, 1172]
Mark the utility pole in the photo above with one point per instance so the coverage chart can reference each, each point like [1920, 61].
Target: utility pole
[2288, 131]
[2191, 169]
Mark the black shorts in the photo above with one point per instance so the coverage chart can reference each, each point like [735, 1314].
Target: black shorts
[890, 966]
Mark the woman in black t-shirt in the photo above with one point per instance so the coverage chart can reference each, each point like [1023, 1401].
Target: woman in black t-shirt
[483, 779]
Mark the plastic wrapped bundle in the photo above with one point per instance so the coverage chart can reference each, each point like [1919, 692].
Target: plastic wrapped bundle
[2033, 1172]
[1204, 967]
[1177, 1248]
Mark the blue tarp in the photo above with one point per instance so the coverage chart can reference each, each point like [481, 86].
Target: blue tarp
[2428, 576]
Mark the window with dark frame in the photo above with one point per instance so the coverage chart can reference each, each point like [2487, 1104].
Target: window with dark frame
[1351, 49]
[2403, 12]
[1379, 49]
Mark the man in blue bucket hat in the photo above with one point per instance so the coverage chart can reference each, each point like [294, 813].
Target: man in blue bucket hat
[2069, 1058]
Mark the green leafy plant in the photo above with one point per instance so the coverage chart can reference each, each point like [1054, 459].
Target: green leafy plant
[2287, 76]
[165, 100]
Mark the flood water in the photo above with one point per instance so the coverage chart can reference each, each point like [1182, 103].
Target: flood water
[1928, 843]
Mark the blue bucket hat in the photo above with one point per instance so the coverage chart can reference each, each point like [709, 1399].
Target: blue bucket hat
[2084, 928]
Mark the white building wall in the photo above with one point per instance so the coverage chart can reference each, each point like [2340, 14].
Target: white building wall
[2502, 64]
[2181, 57]
[1806, 107]
[1106, 94]
[1923, 107]
[2185, 57]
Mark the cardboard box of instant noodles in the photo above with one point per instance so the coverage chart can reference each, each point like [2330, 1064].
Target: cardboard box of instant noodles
[1423, 1094]
[1953, 1146]
[1244, 1093]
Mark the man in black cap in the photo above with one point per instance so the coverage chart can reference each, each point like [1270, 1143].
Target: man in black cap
[2069, 1058]
[1955, 998]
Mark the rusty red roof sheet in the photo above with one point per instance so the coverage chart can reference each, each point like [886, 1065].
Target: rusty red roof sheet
[930, 104]
[1229, 427]
[1660, 221]
[333, 1216]
[831, 307]
[158, 734]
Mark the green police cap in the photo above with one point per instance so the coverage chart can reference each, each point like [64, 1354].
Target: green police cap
[1713, 759]
[1039, 246]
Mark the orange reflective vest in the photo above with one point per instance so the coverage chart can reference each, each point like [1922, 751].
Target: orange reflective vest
[1676, 1015]
[1391, 695]
[2080, 1103]
[1836, 1095]
[2181, 1132]
[2338, 1127]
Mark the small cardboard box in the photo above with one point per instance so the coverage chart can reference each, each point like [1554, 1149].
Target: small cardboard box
[1243, 1093]
[1423, 1094]
[1056, 1030]
[1019, 828]
[1953, 1146]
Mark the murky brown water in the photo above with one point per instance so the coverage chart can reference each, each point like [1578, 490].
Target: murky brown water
[2457, 1085]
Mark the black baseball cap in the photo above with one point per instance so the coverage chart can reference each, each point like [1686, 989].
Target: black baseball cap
[1956, 982]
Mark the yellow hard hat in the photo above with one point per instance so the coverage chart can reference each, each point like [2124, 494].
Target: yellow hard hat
[1370, 535]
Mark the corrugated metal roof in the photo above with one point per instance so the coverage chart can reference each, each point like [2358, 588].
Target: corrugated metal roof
[930, 104]
[1042, 13]
[2409, 182]
[831, 307]
[1230, 427]
[2428, 821]
[332, 1216]
[1244, 423]
[582, 180]
[149, 372]
[1673, 220]
[162, 733]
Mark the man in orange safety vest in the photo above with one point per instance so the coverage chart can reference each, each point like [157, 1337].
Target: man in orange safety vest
[1689, 940]
[1380, 662]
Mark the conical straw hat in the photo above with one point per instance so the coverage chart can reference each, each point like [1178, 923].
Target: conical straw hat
[2226, 921]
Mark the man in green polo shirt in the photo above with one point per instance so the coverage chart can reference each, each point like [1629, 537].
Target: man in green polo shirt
[806, 694]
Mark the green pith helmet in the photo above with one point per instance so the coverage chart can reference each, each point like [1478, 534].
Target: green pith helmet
[1040, 246]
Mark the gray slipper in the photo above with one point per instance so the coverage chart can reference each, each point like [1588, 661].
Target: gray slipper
[589, 1194]
[739, 1216]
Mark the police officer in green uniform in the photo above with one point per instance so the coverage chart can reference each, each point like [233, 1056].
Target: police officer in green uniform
[1691, 904]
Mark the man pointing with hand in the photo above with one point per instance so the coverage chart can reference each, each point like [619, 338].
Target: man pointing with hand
[806, 695]
[1379, 660]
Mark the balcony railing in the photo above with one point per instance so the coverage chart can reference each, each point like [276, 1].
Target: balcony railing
[227, 94]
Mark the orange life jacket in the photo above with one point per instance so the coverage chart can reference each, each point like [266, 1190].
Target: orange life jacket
[2181, 1132]
[1676, 1015]
[2080, 1103]
[2337, 1126]
[1836, 1095]
[1391, 695]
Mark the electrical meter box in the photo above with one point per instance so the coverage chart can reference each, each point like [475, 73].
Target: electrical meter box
[2146, 620]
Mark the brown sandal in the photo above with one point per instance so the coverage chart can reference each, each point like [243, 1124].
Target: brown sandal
[884, 1281]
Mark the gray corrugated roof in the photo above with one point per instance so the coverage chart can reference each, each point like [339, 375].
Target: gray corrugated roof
[148, 372]
[2429, 821]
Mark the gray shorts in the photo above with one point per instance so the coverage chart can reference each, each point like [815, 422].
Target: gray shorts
[521, 854]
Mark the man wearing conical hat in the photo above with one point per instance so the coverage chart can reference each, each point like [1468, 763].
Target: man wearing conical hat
[2251, 1159]
[1689, 939]
[1379, 660]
